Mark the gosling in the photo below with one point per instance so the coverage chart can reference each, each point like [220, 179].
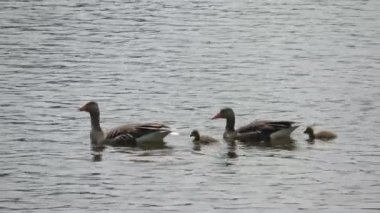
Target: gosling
[202, 139]
[322, 135]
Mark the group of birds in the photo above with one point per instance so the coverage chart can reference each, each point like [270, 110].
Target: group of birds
[134, 134]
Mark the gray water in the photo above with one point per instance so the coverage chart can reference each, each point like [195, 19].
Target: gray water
[179, 62]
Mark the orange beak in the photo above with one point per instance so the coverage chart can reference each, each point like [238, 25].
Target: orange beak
[217, 116]
[83, 108]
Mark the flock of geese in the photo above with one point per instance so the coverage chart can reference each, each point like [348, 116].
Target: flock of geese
[261, 131]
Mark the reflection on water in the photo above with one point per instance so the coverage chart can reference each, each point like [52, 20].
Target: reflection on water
[97, 152]
[286, 143]
[197, 147]
[97, 157]
[152, 146]
[231, 149]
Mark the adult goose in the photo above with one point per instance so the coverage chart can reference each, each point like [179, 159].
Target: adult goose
[322, 135]
[260, 130]
[125, 135]
[202, 139]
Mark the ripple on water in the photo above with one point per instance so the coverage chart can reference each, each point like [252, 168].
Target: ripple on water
[180, 62]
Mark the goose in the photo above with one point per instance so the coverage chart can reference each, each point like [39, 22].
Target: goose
[322, 135]
[202, 139]
[259, 130]
[125, 135]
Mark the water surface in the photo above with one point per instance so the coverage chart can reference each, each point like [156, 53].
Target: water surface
[178, 62]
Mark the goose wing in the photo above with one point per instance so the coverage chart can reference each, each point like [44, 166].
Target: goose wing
[265, 126]
[130, 133]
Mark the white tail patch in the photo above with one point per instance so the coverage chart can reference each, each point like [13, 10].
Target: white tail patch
[153, 137]
[174, 133]
[283, 133]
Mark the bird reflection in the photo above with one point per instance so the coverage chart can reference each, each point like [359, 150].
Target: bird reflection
[97, 153]
[197, 147]
[286, 143]
[97, 157]
[231, 148]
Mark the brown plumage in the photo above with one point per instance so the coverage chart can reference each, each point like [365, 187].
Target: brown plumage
[322, 135]
[125, 135]
[255, 131]
[202, 139]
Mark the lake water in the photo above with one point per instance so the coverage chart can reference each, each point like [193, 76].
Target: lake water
[179, 62]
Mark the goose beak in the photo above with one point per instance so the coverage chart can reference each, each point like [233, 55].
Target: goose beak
[83, 108]
[216, 116]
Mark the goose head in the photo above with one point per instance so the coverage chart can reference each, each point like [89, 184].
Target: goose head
[90, 107]
[195, 134]
[309, 130]
[224, 113]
